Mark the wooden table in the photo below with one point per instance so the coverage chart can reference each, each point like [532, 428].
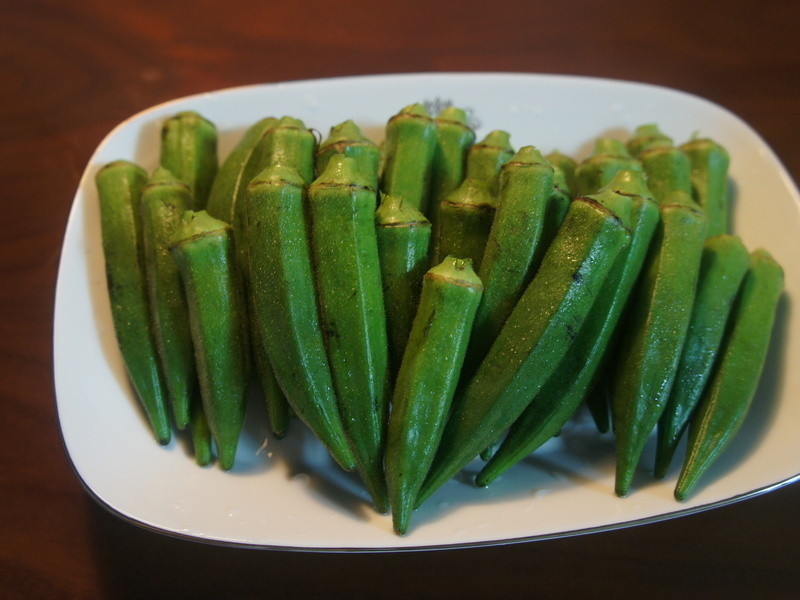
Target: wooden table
[71, 70]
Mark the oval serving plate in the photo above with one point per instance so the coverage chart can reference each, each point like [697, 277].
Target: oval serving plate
[288, 494]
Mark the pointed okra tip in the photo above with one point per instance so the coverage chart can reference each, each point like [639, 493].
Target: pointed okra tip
[472, 191]
[196, 224]
[395, 211]
[457, 271]
[289, 122]
[342, 170]
[529, 155]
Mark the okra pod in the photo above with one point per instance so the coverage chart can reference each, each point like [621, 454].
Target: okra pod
[526, 189]
[608, 157]
[465, 219]
[710, 163]
[427, 380]
[569, 384]
[722, 267]
[654, 330]
[163, 201]
[403, 242]
[733, 384]
[204, 252]
[408, 156]
[189, 152]
[487, 157]
[285, 303]
[290, 144]
[534, 339]
[667, 169]
[201, 435]
[645, 135]
[236, 171]
[119, 188]
[567, 165]
[348, 139]
[454, 138]
[348, 276]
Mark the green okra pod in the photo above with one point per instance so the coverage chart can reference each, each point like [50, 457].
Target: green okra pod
[348, 139]
[627, 197]
[408, 156]
[722, 267]
[526, 190]
[454, 138]
[487, 157]
[279, 411]
[285, 303]
[164, 200]
[608, 157]
[403, 242]
[291, 144]
[201, 435]
[567, 165]
[645, 135]
[667, 169]
[654, 330]
[204, 252]
[119, 187]
[189, 152]
[236, 171]
[465, 219]
[534, 339]
[710, 163]
[348, 276]
[427, 380]
[733, 384]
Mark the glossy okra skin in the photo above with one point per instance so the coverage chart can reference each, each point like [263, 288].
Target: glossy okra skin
[526, 190]
[285, 303]
[626, 196]
[119, 187]
[710, 162]
[654, 330]
[427, 380]
[722, 267]
[347, 267]
[465, 220]
[189, 152]
[487, 157]
[454, 138]
[645, 135]
[348, 139]
[236, 171]
[408, 152]
[733, 384]
[608, 157]
[204, 252]
[404, 236]
[534, 339]
[667, 169]
[163, 201]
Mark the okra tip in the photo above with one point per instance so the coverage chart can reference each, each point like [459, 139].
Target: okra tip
[457, 271]
[342, 170]
[347, 131]
[195, 224]
[529, 155]
[453, 114]
[278, 174]
[606, 146]
[416, 110]
[630, 183]
[394, 211]
[497, 138]
[120, 165]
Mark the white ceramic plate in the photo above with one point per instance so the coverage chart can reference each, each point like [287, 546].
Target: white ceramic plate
[288, 494]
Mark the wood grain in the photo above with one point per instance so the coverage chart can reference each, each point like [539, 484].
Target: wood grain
[70, 71]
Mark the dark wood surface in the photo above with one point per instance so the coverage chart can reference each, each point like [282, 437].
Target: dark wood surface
[72, 70]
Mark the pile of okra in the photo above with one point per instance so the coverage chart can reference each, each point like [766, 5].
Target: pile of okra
[436, 298]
